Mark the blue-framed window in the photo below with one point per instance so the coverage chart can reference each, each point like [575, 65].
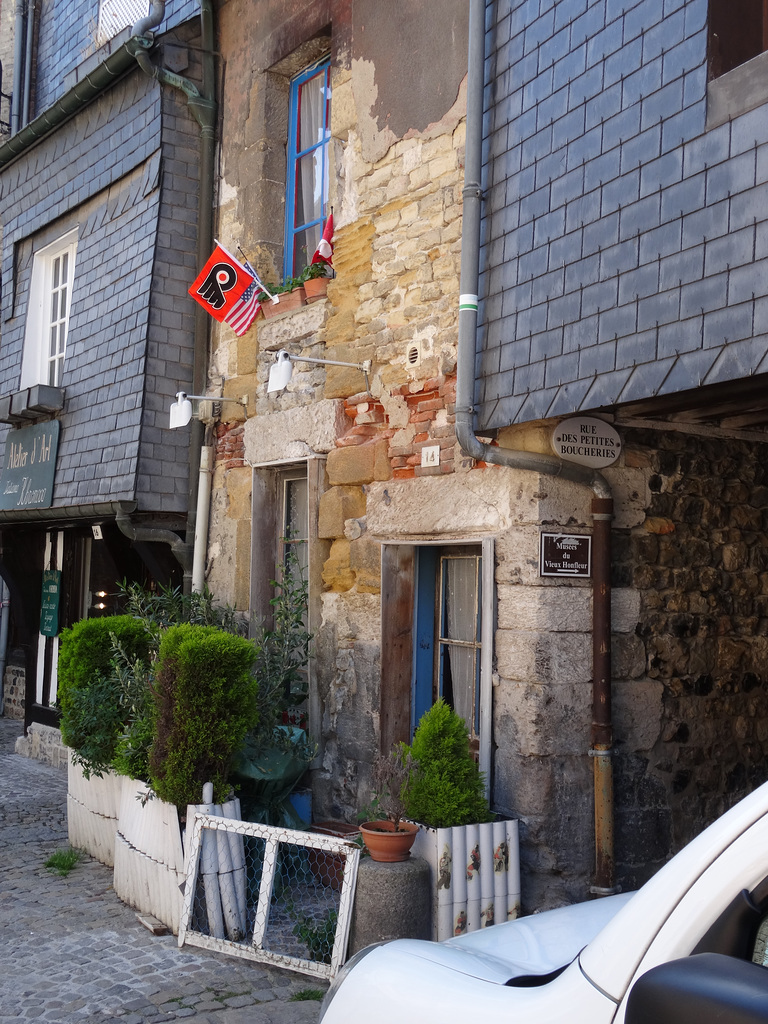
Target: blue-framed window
[309, 135]
[447, 633]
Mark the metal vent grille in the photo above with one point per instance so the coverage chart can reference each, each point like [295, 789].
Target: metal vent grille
[115, 15]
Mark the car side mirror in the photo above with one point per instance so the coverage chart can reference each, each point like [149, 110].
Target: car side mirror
[708, 988]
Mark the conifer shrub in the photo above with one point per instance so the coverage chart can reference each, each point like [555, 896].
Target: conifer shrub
[205, 702]
[92, 713]
[446, 788]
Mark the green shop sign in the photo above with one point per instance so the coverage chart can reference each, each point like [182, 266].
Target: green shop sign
[49, 604]
[29, 467]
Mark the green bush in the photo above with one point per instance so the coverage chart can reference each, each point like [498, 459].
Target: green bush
[92, 712]
[446, 788]
[169, 606]
[205, 702]
[133, 678]
[282, 653]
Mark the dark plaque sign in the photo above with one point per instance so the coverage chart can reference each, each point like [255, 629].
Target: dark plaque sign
[49, 604]
[29, 467]
[565, 555]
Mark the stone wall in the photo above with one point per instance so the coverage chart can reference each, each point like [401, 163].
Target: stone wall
[43, 743]
[690, 688]
[13, 691]
[699, 563]
[396, 178]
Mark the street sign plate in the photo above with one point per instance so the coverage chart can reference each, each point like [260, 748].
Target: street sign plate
[565, 555]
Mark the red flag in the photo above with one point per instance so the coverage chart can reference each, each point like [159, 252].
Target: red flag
[220, 283]
[324, 251]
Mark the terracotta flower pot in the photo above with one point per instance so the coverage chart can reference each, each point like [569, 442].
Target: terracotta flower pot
[316, 288]
[329, 867]
[386, 844]
[288, 301]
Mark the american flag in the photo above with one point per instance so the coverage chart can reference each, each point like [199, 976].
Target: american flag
[247, 307]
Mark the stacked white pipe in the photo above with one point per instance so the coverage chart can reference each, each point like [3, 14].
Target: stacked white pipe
[475, 871]
[222, 868]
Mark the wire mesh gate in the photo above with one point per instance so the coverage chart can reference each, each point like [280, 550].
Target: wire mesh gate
[274, 895]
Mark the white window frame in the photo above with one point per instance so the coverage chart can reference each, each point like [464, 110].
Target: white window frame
[37, 361]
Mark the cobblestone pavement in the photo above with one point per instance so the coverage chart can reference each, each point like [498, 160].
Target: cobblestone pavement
[71, 951]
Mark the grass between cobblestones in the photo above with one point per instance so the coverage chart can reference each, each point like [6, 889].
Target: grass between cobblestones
[61, 862]
[306, 994]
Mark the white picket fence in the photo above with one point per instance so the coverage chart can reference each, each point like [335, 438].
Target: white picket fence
[149, 855]
[475, 872]
[93, 806]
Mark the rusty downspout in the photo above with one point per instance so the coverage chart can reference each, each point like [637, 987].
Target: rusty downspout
[602, 723]
[602, 504]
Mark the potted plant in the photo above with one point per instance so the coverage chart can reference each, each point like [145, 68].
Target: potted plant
[472, 853]
[291, 296]
[94, 715]
[447, 789]
[388, 837]
[316, 281]
[205, 702]
[109, 697]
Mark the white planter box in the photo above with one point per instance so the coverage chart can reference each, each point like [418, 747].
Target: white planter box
[475, 875]
[149, 856]
[92, 812]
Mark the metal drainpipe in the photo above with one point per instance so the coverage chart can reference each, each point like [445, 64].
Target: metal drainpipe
[26, 92]
[17, 90]
[203, 508]
[602, 724]
[602, 504]
[152, 20]
[204, 110]
[153, 535]
[5, 614]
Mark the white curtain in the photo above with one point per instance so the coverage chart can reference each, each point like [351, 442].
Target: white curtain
[311, 128]
[461, 607]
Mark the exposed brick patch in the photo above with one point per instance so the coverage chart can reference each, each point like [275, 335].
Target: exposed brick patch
[230, 445]
[431, 410]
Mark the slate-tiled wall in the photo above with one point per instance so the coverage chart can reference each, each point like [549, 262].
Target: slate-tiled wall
[625, 246]
[67, 35]
[163, 464]
[104, 173]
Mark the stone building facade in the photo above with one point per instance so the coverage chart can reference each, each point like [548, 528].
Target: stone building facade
[620, 274]
[395, 191]
[620, 266]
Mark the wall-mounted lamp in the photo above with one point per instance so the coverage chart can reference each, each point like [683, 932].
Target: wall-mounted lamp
[181, 410]
[282, 368]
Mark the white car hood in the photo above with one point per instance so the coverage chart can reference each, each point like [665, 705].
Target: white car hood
[535, 945]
